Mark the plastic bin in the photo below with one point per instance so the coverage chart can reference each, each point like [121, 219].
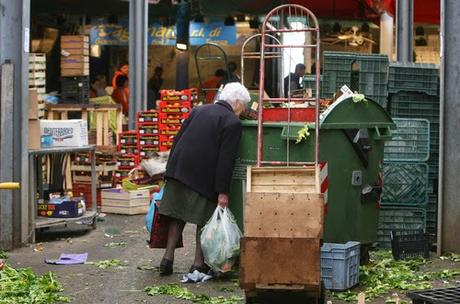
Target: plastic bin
[432, 214]
[410, 76]
[406, 219]
[405, 184]
[436, 296]
[340, 265]
[406, 245]
[410, 141]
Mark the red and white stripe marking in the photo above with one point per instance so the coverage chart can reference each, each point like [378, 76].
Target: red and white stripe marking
[323, 181]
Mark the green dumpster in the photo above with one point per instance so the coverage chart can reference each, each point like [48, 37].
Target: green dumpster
[352, 138]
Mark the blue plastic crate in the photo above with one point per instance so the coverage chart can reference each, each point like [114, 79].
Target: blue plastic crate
[340, 265]
[409, 76]
[399, 218]
[409, 142]
[405, 184]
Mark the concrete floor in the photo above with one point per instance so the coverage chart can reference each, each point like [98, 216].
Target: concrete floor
[119, 285]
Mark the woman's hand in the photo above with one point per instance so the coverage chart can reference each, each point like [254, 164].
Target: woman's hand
[222, 200]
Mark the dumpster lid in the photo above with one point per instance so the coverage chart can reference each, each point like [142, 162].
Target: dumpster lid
[348, 114]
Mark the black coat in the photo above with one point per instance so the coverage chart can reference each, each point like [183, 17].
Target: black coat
[204, 151]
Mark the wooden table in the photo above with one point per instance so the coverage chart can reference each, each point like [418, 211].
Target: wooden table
[100, 115]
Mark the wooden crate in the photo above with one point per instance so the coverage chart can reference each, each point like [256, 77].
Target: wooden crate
[283, 215]
[282, 180]
[280, 263]
[125, 202]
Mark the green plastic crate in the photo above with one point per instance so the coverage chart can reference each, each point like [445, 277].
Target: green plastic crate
[309, 81]
[371, 79]
[414, 105]
[410, 76]
[404, 219]
[405, 184]
[410, 141]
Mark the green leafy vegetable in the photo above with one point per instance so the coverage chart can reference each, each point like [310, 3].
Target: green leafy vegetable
[182, 293]
[360, 98]
[24, 286]
[3, 255]
[454, 257]
[302, 134]
[104, 264]
[384, 274]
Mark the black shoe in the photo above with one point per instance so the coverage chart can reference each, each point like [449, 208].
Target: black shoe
[166, 267]
[203, 269]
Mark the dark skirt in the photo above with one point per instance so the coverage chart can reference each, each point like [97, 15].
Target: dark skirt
[181, 202]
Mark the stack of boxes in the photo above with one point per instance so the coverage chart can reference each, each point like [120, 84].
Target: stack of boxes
[34, 122]
[155, 130]
[174, 108]
[414, 93]
[81, 175]
[75, 69]
[37, 73]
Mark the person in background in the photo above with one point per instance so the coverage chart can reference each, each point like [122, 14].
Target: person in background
[120, 94]
[123, 71]
[293, 80]
[211, 85]
[155, 84]
[98, 87]
[198, 176]
[231, 75]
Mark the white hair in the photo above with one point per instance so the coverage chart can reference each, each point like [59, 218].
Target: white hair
[235, 92]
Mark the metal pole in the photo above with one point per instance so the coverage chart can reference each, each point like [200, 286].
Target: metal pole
[404, 26]
[14, 47]
[182, 58]
[138, 51]
[449, 164]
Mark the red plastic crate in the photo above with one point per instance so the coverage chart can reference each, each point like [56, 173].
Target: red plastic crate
[175, 107]
[164, 148]
[168, 130]
[128, 161]
[144, 129]
[128, 138]
[166, 140]
[147, 140]
[172, 119]
[147, 116]
[128, 149]
[122, 173]
[84, 190]
[297, 114]
[148, 152]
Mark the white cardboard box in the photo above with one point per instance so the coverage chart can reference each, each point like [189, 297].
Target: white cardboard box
[125, 202]
[66, 133]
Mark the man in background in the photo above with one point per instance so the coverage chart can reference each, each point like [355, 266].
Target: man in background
[155, 84]
[292, 81]
[98, 86]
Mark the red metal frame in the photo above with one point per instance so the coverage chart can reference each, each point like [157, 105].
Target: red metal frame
[287, 10]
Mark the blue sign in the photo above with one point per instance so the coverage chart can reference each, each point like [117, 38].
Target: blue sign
[200, 33]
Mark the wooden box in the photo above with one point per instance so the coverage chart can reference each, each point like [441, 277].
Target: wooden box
[280, 263]
[283, 215]
[283, 180]
[125, 202]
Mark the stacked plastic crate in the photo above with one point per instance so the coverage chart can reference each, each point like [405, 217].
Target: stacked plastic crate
[81, 175]
[405, 175]
[414, 93]
[364, 73]
[174, 108]
[147, 134]
[128, 158]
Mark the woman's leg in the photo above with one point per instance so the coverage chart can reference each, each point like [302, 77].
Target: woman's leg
[199, 258]
[175, 231]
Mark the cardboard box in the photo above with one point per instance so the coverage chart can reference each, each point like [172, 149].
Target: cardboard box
[67, 50]
[66, 133]
[77, 42]
[33, 104]
[125, 202]
[67, 209]
[34, 134]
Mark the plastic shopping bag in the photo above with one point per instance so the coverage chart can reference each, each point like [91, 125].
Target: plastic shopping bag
[149, 217]
[220, 240]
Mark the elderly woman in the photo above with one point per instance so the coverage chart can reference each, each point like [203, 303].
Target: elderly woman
[200, 168]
